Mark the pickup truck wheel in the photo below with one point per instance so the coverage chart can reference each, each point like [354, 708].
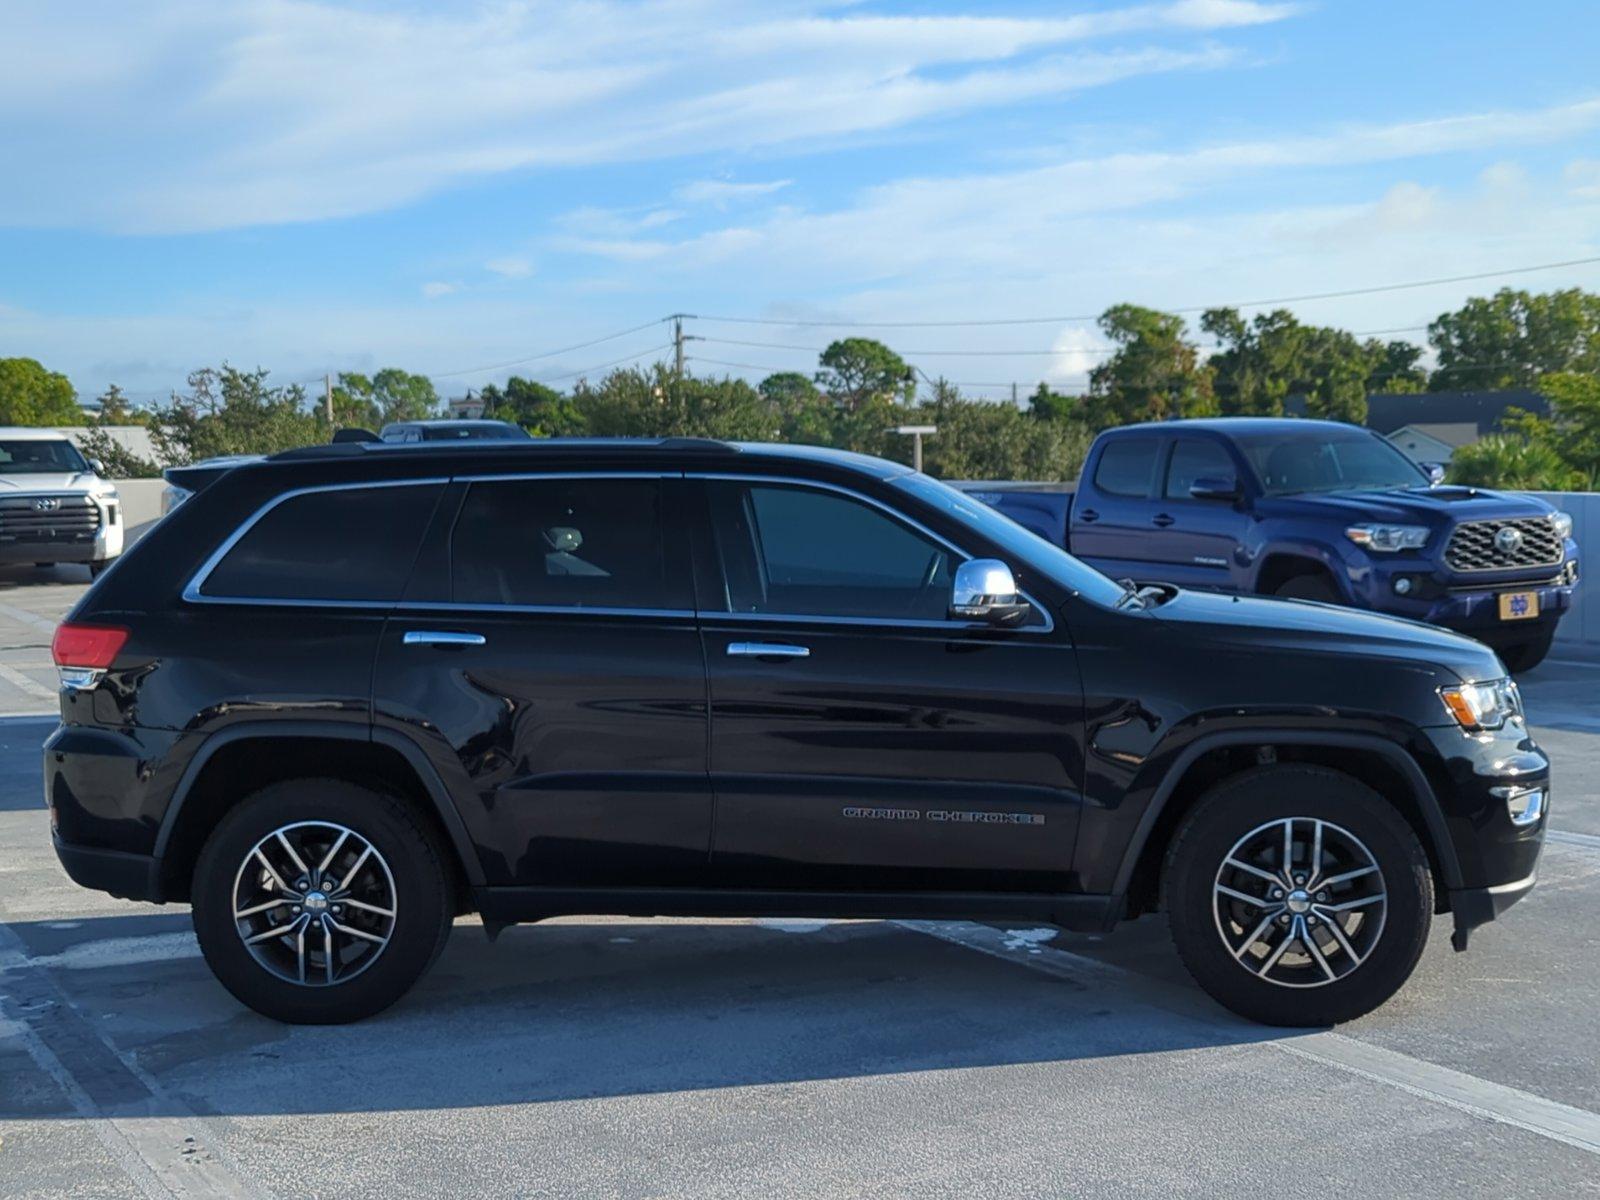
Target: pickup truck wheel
[1525, 656]
[319, 902]
[1307, 587]
[1298, 896]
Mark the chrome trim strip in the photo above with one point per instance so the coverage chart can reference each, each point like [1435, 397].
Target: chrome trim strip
[576, 610]
[767, 650]
[442, 637]
[193, 595]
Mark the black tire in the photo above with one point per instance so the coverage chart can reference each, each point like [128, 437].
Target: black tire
[1311, 586]
[422, 909]
[1197, 915]
[1525, 656]
[97, 568]
[44, 566]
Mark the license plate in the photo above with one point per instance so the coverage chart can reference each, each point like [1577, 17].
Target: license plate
[1519, 606]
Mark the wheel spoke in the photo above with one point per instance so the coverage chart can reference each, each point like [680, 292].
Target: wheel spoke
[359, 933]
[1316, 855]
[277, 931]
[294, 855]
[273, 871]
[1358, 873]
[1254, 935]
[1309, 940]
[354, 868]
[1288, 848]
[1324, 909]
[327, 950]
[1344, 942]
[1257, 871]
[300, 949]
[365, 907]
[1257, 901]
[242, 913]
[333, 851]
[1272, 959]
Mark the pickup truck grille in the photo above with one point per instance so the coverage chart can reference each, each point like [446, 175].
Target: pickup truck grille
[1485, 546]
[48, 520]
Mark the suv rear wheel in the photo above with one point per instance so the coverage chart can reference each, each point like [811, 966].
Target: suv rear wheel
[1298, 896]
[317, 901]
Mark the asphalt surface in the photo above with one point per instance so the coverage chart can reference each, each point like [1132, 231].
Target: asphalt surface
[610, 1057]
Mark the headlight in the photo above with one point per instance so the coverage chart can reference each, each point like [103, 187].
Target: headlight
[1479, 706]
[1563, 523]
[1388, 538]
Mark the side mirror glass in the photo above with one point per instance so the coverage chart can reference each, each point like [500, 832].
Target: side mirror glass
[98, 467]
[1436, 473]
[985, 590]
[1215, 487]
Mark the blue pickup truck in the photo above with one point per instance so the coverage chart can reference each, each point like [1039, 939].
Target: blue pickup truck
[1310, 510]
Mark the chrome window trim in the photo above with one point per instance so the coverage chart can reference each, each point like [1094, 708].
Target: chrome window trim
[194, 595]
[192, 591]
[904, 518]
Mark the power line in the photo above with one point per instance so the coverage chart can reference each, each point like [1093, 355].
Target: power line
[1197, 308]
[614, 363]
[516, 362]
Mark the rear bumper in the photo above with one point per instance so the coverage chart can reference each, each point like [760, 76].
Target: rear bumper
[127, 876]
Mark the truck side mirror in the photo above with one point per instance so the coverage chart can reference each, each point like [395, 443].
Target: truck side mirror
[985, 590]
[98, 467]
[1436, 473]
[1215, 487]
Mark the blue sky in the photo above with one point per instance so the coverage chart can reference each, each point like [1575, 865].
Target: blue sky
[322, 186]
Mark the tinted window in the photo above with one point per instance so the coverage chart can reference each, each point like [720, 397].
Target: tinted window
[596, 543]
[1127, 467]
[1289, 463]
[1196, 458]
[38, 457]
[343, 544]
[807, 552]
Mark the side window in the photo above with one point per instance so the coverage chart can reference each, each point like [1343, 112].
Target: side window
[340, 544]
[570, 543]
[1127, 466]
[1196, 458]
[803, 551]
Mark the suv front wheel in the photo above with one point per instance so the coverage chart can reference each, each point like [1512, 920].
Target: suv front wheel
[1298, 896]
[318, 902]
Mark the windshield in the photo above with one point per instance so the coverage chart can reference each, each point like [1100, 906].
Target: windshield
[1286, 465]
[450, 433]
[34, 457]
[1049, 560]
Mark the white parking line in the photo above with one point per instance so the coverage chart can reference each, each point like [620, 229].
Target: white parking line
[31, 619]
[1587, 840]
[1483, 1098]
[20, 681]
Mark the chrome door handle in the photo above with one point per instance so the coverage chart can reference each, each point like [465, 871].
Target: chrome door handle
[767, 650]
[439, 637]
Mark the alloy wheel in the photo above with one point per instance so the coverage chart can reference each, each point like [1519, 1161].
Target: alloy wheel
[314, 902]
[1299, 902]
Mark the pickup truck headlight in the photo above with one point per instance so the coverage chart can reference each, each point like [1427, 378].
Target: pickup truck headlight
[1388, 538]
[1563, 523]
[1481, 706]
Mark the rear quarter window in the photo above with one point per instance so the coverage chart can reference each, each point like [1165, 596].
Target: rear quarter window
[1127, 467]
[340, 544]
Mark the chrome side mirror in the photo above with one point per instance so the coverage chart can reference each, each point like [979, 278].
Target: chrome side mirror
[985, 590]
[1436, 473]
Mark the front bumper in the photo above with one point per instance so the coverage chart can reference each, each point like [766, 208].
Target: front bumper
[1466, 603]
[1497, 858]
[35, 539]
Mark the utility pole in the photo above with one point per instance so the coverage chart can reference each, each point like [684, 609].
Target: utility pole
[327, 397]
[678, 339]
[1013, 393]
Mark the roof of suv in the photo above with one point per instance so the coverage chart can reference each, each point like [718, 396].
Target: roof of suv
[467, 453]
[1304, 426]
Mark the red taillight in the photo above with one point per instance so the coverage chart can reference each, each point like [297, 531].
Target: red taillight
[93, 646]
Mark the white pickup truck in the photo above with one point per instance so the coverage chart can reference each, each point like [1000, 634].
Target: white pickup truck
[54, 506]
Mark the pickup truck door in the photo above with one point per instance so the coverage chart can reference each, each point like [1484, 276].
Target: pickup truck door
[1114, 510]
[860, 739]
[1191, 541]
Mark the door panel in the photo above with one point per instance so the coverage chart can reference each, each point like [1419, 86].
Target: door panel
[1193, 542]
[547, 656]
[875, 745]
[1112, 519]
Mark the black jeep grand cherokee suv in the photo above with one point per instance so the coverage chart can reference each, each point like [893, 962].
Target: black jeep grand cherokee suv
[346, 694]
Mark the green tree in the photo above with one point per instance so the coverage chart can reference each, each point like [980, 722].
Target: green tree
[229, 411]
[1512, 338]
[1048, 405]
[1261, 362]
[1334, 371]
[1155, 372]
[656, 402]
[98, 442]
[980, 439]
[32, 395]
[390, 395]
[537, 407]
[1503, 460]
[800, 412]
[856, 371]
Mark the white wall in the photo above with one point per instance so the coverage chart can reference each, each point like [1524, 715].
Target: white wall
[1579, 631]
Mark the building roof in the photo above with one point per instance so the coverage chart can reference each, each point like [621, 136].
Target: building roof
[1388, 411]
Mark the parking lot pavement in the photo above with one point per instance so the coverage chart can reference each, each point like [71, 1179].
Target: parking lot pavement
[611, 1057]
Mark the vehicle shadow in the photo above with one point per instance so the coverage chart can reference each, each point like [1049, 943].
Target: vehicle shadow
[573, 1010]
[22, 738]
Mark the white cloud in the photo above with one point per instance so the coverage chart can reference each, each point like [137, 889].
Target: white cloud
[510, 266]
[192, 115]
[436, 288]
[720, 192]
